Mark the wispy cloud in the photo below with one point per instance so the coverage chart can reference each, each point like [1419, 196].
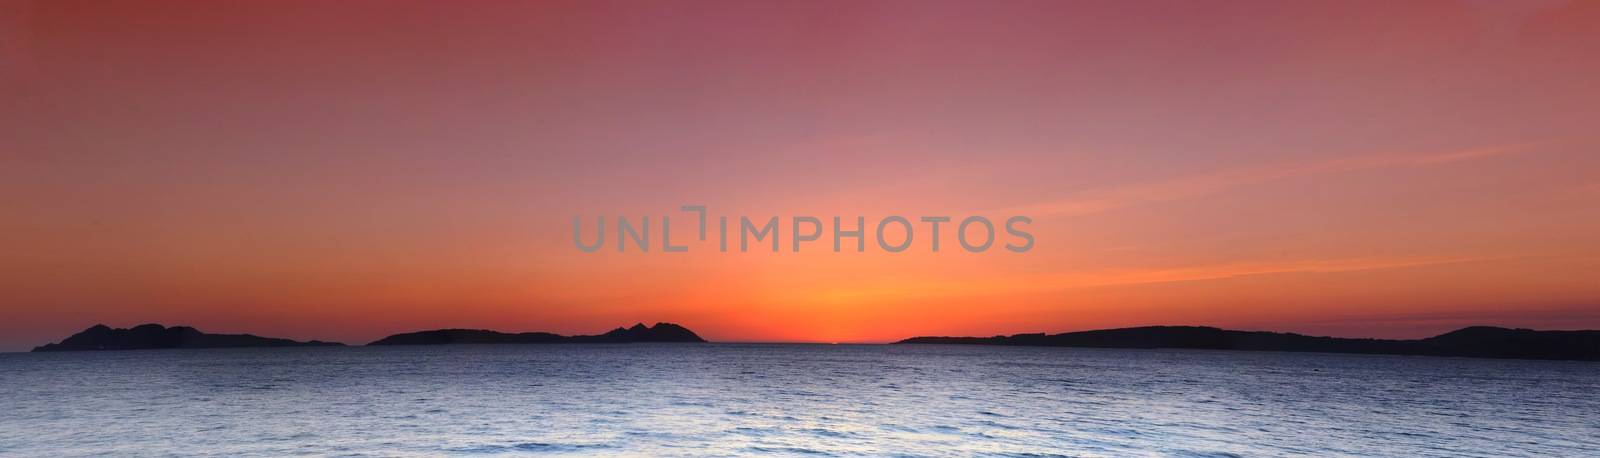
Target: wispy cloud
[1128, 277]
[1587, 188]
[1113, 198]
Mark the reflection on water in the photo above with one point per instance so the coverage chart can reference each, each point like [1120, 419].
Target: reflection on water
[728, 399]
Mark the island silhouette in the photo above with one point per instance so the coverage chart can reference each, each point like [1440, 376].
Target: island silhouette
[1475, 341]
[661, 332]
[155, 336]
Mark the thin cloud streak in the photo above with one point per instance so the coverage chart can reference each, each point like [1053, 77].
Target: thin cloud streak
[1108, 199]
[1132, 277]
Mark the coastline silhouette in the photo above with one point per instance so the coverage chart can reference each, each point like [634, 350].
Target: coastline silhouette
[155, 336]
[661, 332]
[1475, 341]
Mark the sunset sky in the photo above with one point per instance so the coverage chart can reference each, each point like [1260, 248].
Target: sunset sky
[347, 170]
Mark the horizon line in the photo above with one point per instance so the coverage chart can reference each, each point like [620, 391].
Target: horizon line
[823, 342]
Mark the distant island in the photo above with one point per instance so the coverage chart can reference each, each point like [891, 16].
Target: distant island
[661, 332]
[1475, 342]
[155, 336]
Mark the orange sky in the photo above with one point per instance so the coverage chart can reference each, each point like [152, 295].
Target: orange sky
[347, 170]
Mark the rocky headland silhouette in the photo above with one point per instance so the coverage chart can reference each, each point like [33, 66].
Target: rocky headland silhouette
[661, 332]
[1475, 342]
[155, 336]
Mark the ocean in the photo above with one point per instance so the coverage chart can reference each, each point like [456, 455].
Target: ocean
[811, 400]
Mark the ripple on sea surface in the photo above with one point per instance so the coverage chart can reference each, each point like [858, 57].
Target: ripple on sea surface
[822, 400]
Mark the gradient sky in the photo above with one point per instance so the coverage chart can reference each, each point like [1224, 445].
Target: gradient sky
[347, 170]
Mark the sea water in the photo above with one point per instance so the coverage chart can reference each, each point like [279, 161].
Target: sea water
[814, 400]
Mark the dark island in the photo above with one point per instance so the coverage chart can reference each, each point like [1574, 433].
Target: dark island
[661, 332]
[1475, 342]
[155, 336]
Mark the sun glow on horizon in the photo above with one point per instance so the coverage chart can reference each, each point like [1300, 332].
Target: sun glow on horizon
[326, 171]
